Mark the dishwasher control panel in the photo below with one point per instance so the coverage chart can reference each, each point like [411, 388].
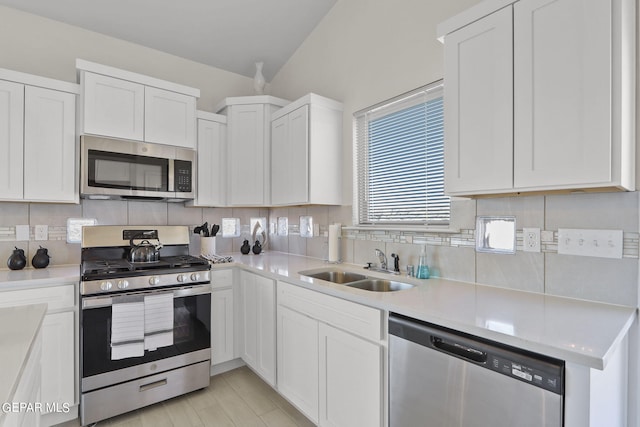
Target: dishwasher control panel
[536, 375]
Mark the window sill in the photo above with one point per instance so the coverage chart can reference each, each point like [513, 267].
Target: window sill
[405, 228]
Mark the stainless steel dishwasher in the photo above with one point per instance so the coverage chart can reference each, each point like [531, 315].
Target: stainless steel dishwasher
[444, 378]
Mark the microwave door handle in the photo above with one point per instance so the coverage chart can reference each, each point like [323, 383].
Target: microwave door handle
[170, 176]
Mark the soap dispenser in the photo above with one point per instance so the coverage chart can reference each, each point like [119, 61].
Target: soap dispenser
[423, 269]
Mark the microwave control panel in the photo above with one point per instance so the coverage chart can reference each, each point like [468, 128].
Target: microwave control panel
[182, 177]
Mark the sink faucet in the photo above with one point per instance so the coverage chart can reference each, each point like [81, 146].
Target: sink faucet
[383, 259]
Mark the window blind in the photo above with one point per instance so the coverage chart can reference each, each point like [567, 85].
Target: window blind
[399, 160]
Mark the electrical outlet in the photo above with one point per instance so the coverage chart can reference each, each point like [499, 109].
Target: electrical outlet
[596, 243]
[531, 239]
[41, 232]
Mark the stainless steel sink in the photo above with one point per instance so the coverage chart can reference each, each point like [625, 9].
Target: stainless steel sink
[335, 276]
[356, 280]
[380, 285]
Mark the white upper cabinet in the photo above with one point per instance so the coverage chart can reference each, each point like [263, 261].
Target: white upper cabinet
[569, 122]
[169, 118]
[49, 145]
[122, 104]
[479, 105]
[249, 148]
[212, 162]
[11, 139]
[113, 107]
[306, 152]
[38, 144]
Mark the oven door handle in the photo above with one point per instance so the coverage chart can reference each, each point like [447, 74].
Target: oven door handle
[105, 301]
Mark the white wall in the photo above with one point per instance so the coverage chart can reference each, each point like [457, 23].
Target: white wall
[366, 51]
[48, 48]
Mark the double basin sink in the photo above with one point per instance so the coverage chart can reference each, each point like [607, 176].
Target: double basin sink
[356, 280]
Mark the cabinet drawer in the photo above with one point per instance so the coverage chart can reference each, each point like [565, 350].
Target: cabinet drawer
[221, 278]
[349, 316]
[56, 297]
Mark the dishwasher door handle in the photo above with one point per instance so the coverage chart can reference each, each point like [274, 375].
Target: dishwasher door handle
[460, 350]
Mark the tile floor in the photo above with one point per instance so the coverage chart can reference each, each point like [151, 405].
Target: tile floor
[238, 398]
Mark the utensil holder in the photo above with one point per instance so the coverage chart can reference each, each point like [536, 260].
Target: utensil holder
[208, 245]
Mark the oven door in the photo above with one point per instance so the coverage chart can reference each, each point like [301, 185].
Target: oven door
[191, 338]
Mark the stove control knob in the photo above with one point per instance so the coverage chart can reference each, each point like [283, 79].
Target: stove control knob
[105, 286]
[123, 284]
[182, 278]
[154, 280]
[195, 277]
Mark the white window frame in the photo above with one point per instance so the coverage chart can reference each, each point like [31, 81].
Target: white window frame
[360, 158]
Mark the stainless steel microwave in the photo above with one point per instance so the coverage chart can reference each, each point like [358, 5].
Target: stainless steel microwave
[122, 169]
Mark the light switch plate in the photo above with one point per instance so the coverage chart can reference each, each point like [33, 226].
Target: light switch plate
[22, 233]
[596, 243]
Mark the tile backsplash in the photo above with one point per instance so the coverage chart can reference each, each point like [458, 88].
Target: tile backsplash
[450, 255]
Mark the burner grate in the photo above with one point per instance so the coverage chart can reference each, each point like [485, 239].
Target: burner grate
[106, 266]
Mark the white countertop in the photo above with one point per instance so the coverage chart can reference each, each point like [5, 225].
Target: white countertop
[38, 277]
[19, 327]
[577, 331]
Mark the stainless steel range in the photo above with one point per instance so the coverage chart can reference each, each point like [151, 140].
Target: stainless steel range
[145, 328]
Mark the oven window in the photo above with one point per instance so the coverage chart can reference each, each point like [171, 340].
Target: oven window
[116, 170]
[191, 332]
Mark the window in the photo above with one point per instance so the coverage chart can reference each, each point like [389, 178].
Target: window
[399, 161]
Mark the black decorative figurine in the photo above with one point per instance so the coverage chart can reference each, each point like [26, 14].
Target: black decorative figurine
[41, 258]
[246, 247]
[17, 260]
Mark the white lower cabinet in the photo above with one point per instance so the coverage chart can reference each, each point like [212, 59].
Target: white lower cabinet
[28, 389]
[298, 360]
[59, 358]
[330, 363]
[57, 364]
[259, 325]
[221, 326]
[350, 380]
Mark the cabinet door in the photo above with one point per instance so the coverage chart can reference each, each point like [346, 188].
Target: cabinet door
[11, 140]
[221, 326]
[113, 107]
[245, 130]
[290, 158]
[49, 145]
[350, 380]
[479, 105]
[169, 118]
[298, 154]
[298, 360]
[266, 327]
[562, 64]
[212, 164]
[249, 300]
[58, 350]
[280, 160]
[259, 325]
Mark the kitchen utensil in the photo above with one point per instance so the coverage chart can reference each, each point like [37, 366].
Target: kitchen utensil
[202, 230]
[41, 258]
[17, 260]
[144, 251]
[214, 229]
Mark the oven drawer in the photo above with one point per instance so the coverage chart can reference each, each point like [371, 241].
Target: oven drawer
[111, 401]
